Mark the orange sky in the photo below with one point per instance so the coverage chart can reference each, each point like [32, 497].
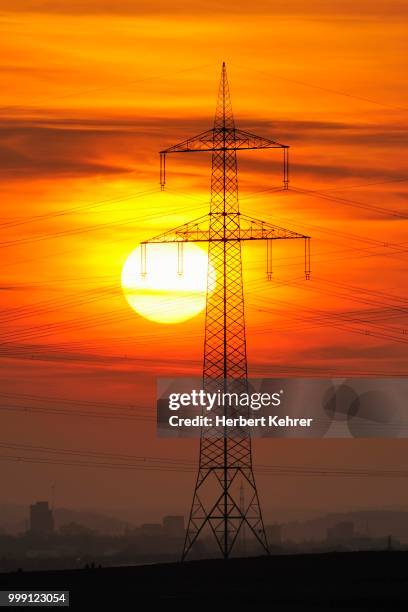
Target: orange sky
[90, 93]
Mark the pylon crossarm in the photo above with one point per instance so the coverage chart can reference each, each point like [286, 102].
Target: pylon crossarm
[256, 229]
[201, 142]
[250, 229]
[247, 140]
[193, 231]
[234, 140]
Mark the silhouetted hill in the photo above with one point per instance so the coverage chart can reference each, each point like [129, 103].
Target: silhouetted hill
[336, 581]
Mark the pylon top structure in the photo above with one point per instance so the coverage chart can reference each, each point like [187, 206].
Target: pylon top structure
[223, 140]
[225, 461]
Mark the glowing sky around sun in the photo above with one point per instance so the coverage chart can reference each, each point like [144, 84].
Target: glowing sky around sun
[91, 91]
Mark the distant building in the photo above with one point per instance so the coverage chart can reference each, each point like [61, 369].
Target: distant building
[41, 518]
[151, 529]
[341, 532]
[174, 526]
[75, 530]
[274, 534]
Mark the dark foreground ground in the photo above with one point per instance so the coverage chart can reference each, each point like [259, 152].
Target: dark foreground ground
[335, 581]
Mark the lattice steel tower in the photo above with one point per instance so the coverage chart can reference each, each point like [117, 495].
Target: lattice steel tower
[225, 453]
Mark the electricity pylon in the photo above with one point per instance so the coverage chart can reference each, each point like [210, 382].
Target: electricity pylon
[225, 452]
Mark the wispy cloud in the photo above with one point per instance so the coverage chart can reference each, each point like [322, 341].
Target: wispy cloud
[88, 145]
[318, 8]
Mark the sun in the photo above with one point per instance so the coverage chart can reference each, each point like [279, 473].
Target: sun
[163, 295]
